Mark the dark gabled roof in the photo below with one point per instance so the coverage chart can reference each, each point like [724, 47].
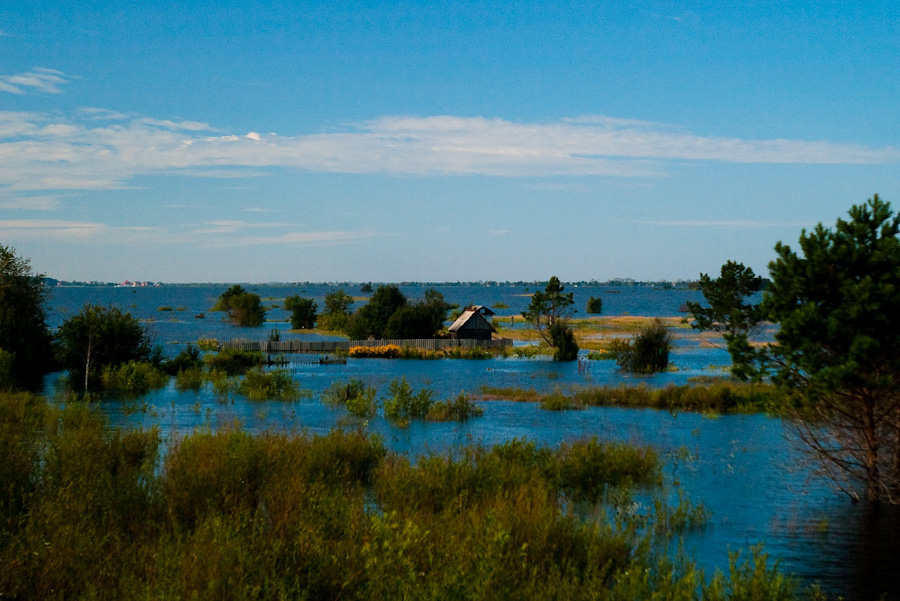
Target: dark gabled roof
[473, 319]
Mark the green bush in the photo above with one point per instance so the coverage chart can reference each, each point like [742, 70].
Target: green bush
[133, 378]
[243, 308]
[188, 358]
[303, 312]
[401, 405]
[354, 395]
[258, 385]
[595, 305]
[459, 409]
[191, 378]
[233, 362]
[648, 351]
[563, 340]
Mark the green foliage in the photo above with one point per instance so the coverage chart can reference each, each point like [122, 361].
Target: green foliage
[557, 401]
[243, 308]
[23, 320]
[191, 378]
[233, 362]
[98, 337]
[730, 312]
[354, 395]
[721, 396]
[459, 409]
[595, 305]
[132, 378]
[337, 310]
[402, 405]
[371, 318]
[303, 312]
[92, 512]
[164, 308]
[422, 319]
[188, 358]
[647, 352]
[838, 344]
[548, 308]
[258, 385]
[562, 339]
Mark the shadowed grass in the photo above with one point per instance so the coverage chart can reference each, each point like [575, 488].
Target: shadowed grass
[87, 512]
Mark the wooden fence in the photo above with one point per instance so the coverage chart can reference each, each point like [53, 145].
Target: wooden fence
[334, 346]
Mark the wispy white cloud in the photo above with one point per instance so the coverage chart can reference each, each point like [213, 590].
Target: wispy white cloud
[218, 234]
[41, 80]
[39, 151]
[47, 202]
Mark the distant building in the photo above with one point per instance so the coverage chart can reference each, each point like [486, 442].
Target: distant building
[473, 324]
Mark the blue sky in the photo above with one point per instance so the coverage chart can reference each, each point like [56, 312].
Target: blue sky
[327, 141]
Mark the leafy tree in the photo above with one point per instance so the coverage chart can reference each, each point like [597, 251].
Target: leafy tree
[731, 313]
[549, 307]
[595, 305]
[838, 306]
[98, 337]
[423, 319]
[564, 341]
[648, 351]
[303, 312]
[243, 308]
[23, 320]
[337, 310]
[372, 318]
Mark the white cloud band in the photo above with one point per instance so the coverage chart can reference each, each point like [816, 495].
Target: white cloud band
[106, 150]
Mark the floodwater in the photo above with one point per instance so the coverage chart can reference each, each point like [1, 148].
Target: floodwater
[746, 469]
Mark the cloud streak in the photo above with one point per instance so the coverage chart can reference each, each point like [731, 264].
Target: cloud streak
[45, 81]
[214, 234]
[105, 150]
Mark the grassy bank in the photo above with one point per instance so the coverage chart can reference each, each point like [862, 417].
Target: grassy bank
[87, 512]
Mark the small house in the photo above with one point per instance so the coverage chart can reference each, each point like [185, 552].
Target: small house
[473, 324]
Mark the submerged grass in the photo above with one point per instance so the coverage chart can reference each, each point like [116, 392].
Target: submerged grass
[88, 512]
[722, 396]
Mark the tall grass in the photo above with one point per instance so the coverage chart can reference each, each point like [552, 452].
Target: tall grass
[723, 396]
[88, 512]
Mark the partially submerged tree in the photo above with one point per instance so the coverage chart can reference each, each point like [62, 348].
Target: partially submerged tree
[548, 307]
[595, 305]
[838, 305]
[371, 318]
[731, 313]
[648, 351]
[100, 336]
[23, 321]
[337, 310]
[303, 312]
[422, 319]
[243, 308]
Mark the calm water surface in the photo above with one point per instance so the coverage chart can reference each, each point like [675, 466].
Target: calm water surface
[745, 469]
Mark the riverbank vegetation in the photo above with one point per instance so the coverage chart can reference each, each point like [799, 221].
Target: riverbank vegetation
[721, 396]
[90, 512]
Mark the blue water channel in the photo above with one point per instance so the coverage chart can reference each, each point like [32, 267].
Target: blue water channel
[757, 482]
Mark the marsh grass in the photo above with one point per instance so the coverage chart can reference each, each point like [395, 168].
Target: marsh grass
[258, 385]
[133, 378]
[89, 512]
[719, 396]
[459, 409]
